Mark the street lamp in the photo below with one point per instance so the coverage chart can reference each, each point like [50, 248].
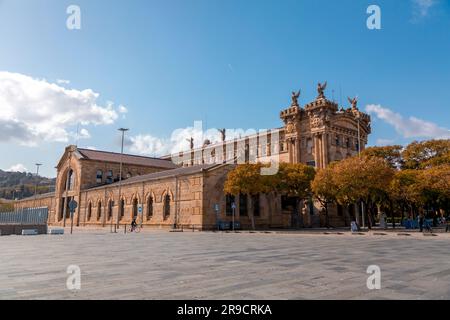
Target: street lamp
[359, 155]
[123, 130]
[35, 185]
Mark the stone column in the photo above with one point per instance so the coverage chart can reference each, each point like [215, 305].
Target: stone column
[324, 150]
[316, 151]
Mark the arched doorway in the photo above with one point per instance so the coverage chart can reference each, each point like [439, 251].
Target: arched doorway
[166, 206]
[109, 210]
[89, 212]
[99, 210]
[121, 209]
[149, 207]
[134, 211]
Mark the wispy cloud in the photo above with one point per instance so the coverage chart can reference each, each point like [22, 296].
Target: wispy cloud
[62, 81]
[411, 127]
[384, 142]
[421, 8]
[148, 144]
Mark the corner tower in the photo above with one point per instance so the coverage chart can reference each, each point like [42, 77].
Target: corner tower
[321, 132]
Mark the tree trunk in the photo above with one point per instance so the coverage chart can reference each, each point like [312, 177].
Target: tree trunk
[391, 208]
[369, 211]
[252, 218]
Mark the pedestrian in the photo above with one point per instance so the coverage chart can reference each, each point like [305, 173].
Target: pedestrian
[421, 222]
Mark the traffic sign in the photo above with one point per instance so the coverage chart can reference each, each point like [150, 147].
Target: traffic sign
[140, 208]
[73, 205]
[233, 205]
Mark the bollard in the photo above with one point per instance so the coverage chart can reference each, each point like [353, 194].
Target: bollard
[125, 229]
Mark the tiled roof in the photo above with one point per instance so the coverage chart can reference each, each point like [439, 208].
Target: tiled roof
[164, 174]
[126, 159]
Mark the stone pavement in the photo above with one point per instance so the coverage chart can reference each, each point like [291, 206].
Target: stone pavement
[206, 265]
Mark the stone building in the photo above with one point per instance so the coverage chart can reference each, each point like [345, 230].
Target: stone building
[186, 189]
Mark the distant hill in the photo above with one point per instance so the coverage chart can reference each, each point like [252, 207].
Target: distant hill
[19, 185]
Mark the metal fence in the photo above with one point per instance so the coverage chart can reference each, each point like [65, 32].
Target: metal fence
[28, 216]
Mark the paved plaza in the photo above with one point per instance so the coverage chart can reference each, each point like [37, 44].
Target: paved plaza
[207, 265]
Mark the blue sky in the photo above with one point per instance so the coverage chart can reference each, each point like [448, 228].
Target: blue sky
[156, 66]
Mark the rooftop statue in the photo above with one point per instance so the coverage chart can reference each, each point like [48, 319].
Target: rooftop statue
[353, 102]
[191, 142]
[223, 133]
[295, 97]
[320, 89]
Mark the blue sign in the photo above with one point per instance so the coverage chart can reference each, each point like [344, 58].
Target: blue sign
[73, 205]
[140, 208]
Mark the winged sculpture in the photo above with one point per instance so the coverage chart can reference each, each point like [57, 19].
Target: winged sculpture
[223, 133]
[295, 96]
[320, 89]
[353, 102]
[191, 142]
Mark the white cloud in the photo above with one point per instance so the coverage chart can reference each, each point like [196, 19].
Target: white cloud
[34, 110]
[155, 146]
[122, 109]
[62, 81]
[84, 134]
[421, 8]
[411, 127]
[384, 142]
[18, 168]
[91, 148]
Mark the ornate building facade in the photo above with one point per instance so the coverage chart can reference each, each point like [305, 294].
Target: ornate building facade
[186, 189]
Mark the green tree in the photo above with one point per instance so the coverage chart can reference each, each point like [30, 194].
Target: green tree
[392, 154]
[245, 179]
[325, 189]
[363, 179]
[421, 155]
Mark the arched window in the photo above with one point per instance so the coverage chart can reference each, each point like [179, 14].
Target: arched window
[256, 205]
[70, 180]
[121, 208]
[243, 205]
[109, 210]
[99, 210]
[149, 207]
[109, 177]
[166, 206]
[135, 208]
[229, 200]
[89, 212]
[99, 178]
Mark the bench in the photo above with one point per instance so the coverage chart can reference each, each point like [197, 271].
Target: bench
[30, 232]
[56, 231]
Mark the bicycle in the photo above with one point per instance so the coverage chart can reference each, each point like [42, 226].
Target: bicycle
[136, 229]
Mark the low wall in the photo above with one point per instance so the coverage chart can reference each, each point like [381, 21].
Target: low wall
[6, 230]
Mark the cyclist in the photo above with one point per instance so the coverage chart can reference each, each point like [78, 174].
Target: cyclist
[133, 225]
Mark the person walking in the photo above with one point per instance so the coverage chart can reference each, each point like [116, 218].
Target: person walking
[421, 222]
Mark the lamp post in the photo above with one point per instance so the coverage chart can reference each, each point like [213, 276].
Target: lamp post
[35, 185]
[359, 154]
[123, 130]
